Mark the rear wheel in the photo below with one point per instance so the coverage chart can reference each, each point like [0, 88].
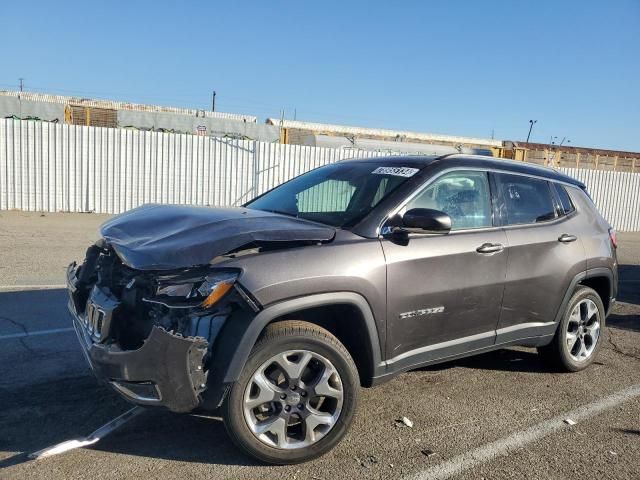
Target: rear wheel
[579, 333]
[296, 396]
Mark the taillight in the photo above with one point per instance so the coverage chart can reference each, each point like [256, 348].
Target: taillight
[613, 237]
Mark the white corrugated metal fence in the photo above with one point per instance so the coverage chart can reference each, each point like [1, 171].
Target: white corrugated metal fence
[617, 195]
[54, 167]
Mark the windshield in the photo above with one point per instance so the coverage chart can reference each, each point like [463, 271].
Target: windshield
[339, 194]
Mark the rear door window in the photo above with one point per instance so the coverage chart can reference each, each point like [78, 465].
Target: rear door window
[524, 200]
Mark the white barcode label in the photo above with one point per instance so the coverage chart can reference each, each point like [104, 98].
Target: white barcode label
[397, 171]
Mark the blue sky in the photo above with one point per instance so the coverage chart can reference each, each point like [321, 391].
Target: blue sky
[453, 67]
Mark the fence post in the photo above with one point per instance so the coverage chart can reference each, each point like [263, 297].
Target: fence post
[256, 169]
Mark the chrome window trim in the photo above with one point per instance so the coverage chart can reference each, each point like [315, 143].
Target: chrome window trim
[425, 185]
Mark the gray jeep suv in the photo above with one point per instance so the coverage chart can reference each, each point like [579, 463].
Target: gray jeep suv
[278, 311]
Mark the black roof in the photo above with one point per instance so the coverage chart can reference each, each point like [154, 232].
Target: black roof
[478, 161]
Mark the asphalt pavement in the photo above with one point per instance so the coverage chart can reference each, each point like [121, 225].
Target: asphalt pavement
[499, 415]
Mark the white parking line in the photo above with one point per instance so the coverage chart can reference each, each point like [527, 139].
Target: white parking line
[36, 333]
[11, 288]
[519, 439]
[92, 438]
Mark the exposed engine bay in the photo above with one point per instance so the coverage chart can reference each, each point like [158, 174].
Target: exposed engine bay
[177, 301]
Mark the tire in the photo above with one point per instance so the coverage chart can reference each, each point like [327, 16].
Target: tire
[583, 310]
[329, 370]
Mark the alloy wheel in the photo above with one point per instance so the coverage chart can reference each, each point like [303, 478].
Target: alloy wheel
[583, 330]
[293, 399]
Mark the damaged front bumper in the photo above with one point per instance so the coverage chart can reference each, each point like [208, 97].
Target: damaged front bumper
[167, 370]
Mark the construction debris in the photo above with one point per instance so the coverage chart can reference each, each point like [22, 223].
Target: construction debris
[428, 453]
[404, 421]
[368, 461]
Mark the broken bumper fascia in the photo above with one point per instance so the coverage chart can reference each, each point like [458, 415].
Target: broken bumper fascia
[167, 370]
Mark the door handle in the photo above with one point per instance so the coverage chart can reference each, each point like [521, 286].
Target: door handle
[490, 248]
[566, 238]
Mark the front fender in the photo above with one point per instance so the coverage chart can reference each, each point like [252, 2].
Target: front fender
[241, 332]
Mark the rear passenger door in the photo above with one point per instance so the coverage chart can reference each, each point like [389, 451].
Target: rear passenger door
[544, 253]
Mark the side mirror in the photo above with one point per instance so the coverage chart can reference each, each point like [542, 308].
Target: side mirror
[426, 220]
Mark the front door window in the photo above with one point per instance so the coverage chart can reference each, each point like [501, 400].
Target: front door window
[463, 195]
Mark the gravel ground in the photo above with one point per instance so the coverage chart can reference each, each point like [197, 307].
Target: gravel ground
[48, 395]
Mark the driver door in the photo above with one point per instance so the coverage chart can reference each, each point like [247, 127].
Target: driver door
[444, 292]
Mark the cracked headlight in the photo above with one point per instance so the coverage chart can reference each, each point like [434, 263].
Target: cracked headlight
[188, 292]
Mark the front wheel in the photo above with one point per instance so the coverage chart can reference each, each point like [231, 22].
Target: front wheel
[579, 333]
[296, 396]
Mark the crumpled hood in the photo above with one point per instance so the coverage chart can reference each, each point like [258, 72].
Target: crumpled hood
[160, 237]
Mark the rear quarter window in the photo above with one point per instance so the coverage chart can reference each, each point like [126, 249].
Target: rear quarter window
[565, 200]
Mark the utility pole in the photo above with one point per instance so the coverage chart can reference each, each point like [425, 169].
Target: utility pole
[281, 126]
[531, 122]
[213, 102]
[21, 83]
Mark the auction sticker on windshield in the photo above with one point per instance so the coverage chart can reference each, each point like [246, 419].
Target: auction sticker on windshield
[397, 171]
